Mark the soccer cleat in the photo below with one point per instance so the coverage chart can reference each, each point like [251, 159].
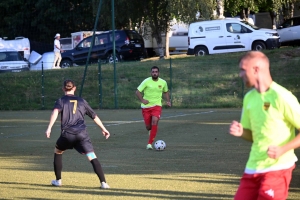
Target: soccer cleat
[104, 185]
[149, 147]
[56, 183]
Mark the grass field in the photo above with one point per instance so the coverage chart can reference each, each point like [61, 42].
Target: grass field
[194, 82]
[201, 160]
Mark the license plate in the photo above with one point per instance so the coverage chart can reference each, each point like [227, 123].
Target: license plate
[15, 70]
[137, 45]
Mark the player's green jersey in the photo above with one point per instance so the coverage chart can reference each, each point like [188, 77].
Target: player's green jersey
[272, 117]
[153, 91]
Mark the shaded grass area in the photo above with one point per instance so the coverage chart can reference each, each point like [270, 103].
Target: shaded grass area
[194, 82]
[201, 160]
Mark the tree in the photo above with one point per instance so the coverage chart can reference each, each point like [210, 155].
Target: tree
[185, 11]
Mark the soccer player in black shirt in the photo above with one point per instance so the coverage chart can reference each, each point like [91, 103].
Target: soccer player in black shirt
[73, 131]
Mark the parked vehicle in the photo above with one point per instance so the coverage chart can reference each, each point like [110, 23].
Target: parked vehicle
[229, 35]
[178, 39]
[66, 43]
[289, 31]
[12, 61]
[39, 62]
[128, 45]
[20, 44]
[78, 36]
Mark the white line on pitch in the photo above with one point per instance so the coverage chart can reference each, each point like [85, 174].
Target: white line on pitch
[181, 115]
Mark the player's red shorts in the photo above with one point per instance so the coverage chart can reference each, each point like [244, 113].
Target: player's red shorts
[265, 186]
[149, 112]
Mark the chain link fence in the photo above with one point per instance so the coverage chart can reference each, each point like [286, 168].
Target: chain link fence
[193, 83]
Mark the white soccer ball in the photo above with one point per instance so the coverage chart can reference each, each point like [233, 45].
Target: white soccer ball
[160, 145]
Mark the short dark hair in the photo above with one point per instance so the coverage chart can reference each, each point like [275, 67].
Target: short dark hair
[68, 85]
[154, 67]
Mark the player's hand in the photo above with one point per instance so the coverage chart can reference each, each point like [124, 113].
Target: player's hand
[274, 152]
[144, 101]
[106, 134]
[48, 132]
[169, 103]
[236, 129]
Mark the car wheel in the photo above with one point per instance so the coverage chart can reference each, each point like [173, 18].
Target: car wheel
[66, 64]
[110, 58]
[201, 51]
[258, 46]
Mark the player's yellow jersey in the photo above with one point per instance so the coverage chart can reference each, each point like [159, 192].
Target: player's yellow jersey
[153, 91]
[272, 117]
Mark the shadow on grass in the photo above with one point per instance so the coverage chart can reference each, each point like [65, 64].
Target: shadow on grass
[127, 193]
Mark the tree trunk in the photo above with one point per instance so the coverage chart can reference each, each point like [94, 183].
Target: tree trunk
[273, 15]
[220, 9]
[291, 10]
[243, 14]
[160, 47]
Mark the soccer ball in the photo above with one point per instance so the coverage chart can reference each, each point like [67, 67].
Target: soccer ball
[160, 145]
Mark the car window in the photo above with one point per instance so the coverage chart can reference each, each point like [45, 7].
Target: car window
[236, 28]
[2, 56]
[85, 43]
[101, 39]
[65, 41]
[296, 21]
[288, 23]
[118, 36]
[10, 56]
[133, 35]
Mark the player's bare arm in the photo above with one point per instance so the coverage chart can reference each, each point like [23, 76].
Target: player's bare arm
[104, 131]
[236, 129]
[52, 121]
[140, 96]
[167, 97]
[277, 151]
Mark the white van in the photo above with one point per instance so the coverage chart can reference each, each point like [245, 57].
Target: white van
[19, 44]
[229, 35]
[178, 38]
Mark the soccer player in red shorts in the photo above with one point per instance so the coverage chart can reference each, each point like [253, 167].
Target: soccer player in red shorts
[269, 118]
[152, 88]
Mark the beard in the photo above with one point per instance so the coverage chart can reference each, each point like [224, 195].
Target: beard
[154, 77]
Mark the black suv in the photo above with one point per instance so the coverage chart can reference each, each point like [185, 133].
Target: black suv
[129, 45]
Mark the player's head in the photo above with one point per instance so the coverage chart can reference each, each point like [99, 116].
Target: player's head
[69, 85]
[254, 67]
[154, 72]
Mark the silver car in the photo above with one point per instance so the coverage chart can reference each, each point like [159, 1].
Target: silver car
[39, 62]
[289, 31]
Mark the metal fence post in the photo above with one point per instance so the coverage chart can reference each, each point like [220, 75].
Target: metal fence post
[43, 96]
[171, 73]
[100, 83]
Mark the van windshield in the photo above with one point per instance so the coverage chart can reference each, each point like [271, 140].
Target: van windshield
[251, 25]
[10, 56]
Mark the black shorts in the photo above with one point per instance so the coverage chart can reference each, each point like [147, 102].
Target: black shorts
[81, 142]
